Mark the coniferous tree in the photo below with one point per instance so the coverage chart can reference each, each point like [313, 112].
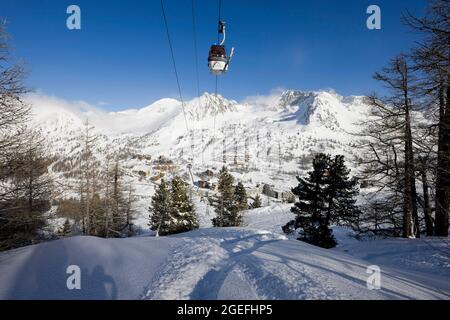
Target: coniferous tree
[326, 196]
[160, 210]
[227, 213]
[341, 192]
[311, 208]
[66, 229]
[257, 203]
[240, 195]
[183, 215]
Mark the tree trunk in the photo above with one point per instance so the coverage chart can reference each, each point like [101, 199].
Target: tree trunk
[426, 200]
[411, 228]
[443, 166]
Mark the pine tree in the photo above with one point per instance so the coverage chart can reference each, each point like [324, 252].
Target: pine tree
[326, 196]
[311, 208]
[160, 210]
[341, 192]
[227, 213]
[66, 229]
[183, 216]
[240, 196]
[257, 203]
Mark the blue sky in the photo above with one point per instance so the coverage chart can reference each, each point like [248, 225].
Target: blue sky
[120, 58]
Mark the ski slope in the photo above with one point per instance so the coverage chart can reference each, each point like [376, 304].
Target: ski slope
[254, 262]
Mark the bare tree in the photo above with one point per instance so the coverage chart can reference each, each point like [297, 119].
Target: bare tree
[17, 156]
[432, 57]
[390, 143]
[88, 175]
[31, 186]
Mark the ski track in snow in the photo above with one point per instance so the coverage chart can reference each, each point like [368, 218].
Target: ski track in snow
[188, 263]
[197, 269]
[251, 264]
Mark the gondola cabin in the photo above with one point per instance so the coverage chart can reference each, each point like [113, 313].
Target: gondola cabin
[217, 60]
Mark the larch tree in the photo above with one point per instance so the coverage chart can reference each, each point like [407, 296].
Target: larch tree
[432, 58]
[389, 145]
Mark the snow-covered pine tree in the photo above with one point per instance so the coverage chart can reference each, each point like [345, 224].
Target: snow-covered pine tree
[227, 213]
[257, 203]
[160, 210]
[183, 215]
[240, 196]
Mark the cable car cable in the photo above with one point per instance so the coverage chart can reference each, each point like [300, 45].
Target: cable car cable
[174, 63]
[220, 18]
[178, 84]
[217, 77]
[194, 27]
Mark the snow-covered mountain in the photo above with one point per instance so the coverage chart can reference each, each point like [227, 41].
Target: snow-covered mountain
[292, 119]
[263, 140]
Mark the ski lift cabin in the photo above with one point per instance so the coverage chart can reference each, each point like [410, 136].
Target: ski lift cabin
[217, 60]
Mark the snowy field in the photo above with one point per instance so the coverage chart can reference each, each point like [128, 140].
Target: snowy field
[254, 262]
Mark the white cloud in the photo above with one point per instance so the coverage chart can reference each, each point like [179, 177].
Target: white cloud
[265, 100]
[49, 108]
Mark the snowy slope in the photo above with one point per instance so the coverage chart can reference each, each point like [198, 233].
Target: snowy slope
[231, 263]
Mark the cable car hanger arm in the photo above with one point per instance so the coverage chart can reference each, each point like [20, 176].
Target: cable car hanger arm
[222, 30]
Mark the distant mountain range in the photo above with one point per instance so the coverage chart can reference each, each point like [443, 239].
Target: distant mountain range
[263, 140]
